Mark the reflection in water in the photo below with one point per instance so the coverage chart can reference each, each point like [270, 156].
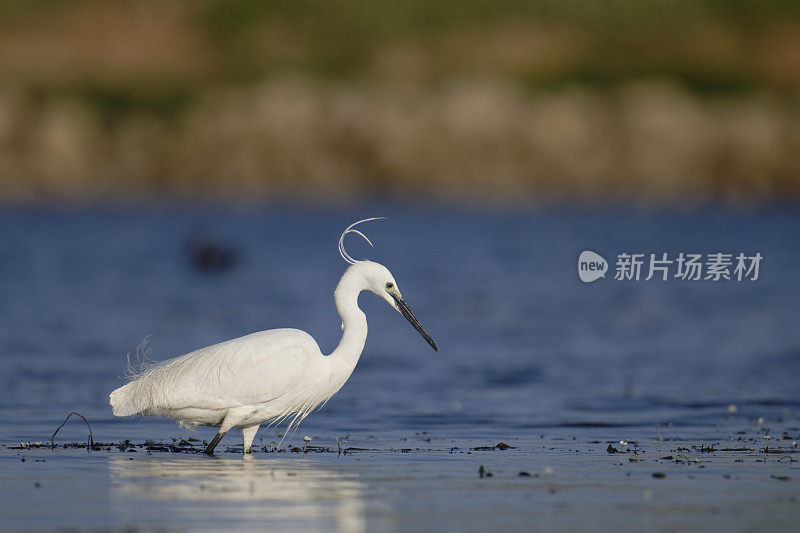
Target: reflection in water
[248, 493]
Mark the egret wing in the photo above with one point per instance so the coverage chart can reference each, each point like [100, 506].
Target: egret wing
[250, 370]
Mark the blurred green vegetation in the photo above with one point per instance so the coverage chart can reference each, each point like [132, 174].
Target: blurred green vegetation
[631, 38]
[186, 93]
[620, 40]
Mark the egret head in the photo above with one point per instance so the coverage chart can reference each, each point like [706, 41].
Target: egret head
[381, 282]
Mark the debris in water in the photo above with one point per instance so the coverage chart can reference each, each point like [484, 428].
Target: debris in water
[659, 475]
[91, 438]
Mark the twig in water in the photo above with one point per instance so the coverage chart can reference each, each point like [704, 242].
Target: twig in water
[91, 437]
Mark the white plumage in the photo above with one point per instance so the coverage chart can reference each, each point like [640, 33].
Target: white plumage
[270, 376]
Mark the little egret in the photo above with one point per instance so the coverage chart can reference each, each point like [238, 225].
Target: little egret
[269, 376]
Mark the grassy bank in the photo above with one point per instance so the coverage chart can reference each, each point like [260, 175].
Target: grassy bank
[532, 101]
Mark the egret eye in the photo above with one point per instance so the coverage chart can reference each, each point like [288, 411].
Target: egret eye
[389, 285]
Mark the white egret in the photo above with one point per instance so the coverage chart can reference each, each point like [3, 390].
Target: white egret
[269, 376]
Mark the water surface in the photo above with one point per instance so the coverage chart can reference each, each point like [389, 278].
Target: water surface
[528, 355]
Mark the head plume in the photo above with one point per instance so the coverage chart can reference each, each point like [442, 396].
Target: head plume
[350, 229]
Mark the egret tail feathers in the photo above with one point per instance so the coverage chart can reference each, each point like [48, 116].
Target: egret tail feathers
[125, 402]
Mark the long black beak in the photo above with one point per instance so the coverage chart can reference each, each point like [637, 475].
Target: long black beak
[409, 314]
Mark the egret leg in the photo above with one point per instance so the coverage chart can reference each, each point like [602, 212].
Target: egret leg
[213, 444]
[248, 434]
[232, 417]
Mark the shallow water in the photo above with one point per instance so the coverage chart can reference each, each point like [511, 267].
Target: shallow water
[529, 356]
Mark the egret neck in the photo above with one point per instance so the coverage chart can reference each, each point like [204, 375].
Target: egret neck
[354, 322]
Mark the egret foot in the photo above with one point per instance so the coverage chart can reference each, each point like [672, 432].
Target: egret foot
[213, 444]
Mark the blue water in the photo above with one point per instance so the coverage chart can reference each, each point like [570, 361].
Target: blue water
[525, 348]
